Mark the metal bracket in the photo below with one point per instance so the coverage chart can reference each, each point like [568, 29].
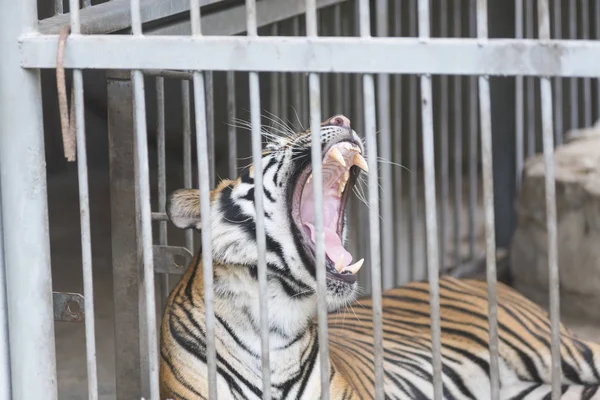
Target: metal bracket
[68, 307]
[171, 259]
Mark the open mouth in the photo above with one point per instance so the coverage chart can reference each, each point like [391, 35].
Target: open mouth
[341, 165]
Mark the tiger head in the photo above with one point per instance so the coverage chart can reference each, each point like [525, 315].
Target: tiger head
[289, 221]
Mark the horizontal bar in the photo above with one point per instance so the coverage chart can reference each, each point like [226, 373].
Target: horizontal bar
[232, 21]
[303, 54]
[115, 15]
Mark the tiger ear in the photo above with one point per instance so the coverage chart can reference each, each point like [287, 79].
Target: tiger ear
[183, 209]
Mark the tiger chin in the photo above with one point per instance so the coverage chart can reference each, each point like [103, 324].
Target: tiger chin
[524, 330]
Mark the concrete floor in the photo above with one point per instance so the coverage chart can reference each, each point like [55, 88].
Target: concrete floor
[67, 276]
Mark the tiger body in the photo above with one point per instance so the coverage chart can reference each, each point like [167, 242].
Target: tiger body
[524, 328]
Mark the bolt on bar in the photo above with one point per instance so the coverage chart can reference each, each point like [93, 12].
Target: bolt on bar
[385, 152]
[187, 151]
[488, 198]
[202, 150]
[374, 230]
[5, 387]
[231, 129]
[143, 176]
[317, 171]
[473, 132]
[430, 209]
[402, 273]
[458, 134]
[558, 82]
[444, 167]
[25, 213]
[548, 143]
[573, 89]
[84, 212]
[519, 116]
[162, 180]
[261, 245]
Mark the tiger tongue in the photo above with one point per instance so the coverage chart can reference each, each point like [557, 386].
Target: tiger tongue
[333, 245]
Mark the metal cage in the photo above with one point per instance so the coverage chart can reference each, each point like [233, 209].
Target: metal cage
[391, 65]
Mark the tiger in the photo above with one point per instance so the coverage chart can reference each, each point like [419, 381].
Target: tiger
[524, 328]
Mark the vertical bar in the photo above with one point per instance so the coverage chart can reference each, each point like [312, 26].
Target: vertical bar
[274, 96]
[374, 230]
[317, 171]
[444, 146]
[587, 83]
[124, 217]
[519, 105]
[296, 84]
[530, 81]
[202, 149]
[458, 134]
[430, 209]
[573, 89]
[260, 211]
[162, 179]
[558, 82]
[187, 150]
[385, 152]
[5, 386]
[473, 132]
[548, 141]
[25, 213]
[231, 130]
[402, 273]
[210, 124]
[488, 198]
[84, 213]
[413, 157]
[143, 175]
[597, 25]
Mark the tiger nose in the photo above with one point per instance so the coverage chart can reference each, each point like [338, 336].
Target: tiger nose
[340, 120]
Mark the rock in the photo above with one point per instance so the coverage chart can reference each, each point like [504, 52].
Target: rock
[577, 169]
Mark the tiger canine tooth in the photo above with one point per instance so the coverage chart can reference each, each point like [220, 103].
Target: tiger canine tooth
[355, 267]
[339, 264]
[360, 162]
[336, 154]
[309, 178]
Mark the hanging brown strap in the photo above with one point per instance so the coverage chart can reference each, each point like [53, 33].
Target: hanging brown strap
[67, 120]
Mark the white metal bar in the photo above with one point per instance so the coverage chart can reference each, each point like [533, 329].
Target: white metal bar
[5, 385]
[413, 157]
[374, 229]
[573, 84]
[143, 176]
[430, 209]
[84, 212]
[317, 171]
[558, 82]
[402, 273]
[296, 84]
[274, 77]
[210, 124]
[261, 245]
[385, 152]
[519, 104]
[202, 150]
[548, 143]
[587, 84]
[444, 147]
[162, 178]
[530, 85]
[488, 198]
[325, 54]
[187, 151]
[473, 145]
[25, 214]
[231, 129]
[597, 24]
[458, 135]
